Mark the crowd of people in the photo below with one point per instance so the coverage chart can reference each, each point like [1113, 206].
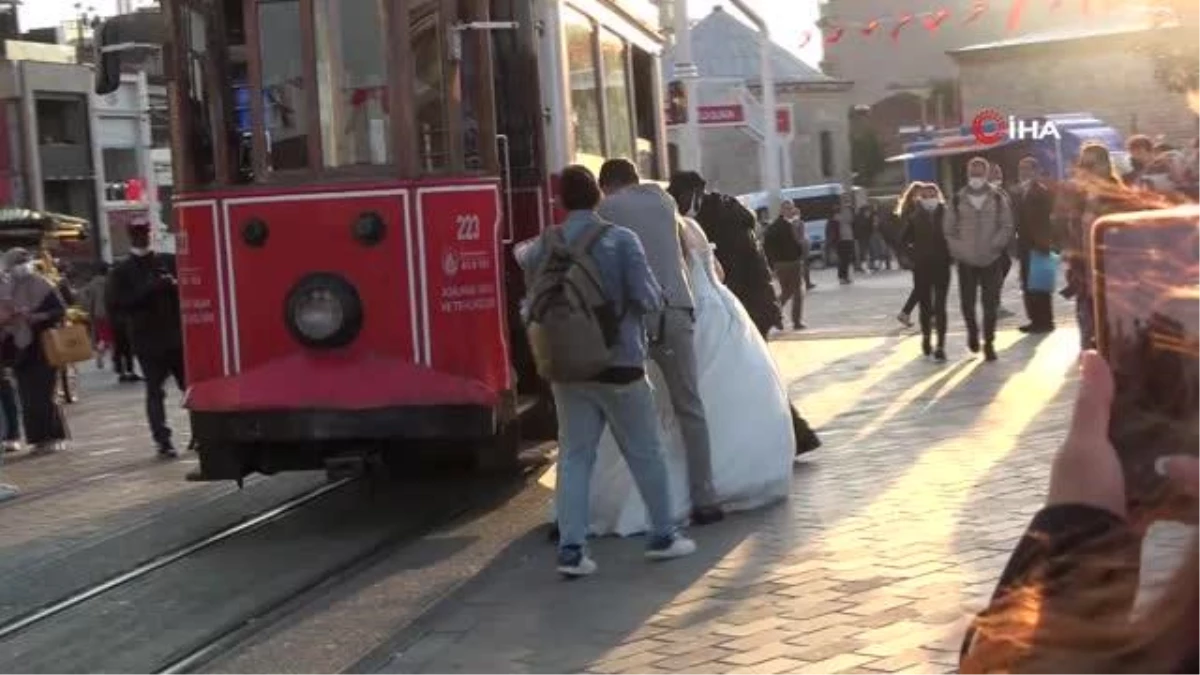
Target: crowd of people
[131, 310]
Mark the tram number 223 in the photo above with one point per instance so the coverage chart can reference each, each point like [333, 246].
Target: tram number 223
[467, 225]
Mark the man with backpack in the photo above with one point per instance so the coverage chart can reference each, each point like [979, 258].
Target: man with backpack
[979, 227]
[654, 217]
[590, 288]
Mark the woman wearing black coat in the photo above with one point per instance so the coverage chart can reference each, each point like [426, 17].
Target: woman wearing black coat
[925, 244]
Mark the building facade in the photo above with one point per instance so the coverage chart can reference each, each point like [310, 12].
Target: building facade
[815, 146]
[52, 156]
[1106, 73]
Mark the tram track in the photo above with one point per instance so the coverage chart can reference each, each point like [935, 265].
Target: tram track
[181, 609]
[248, 525]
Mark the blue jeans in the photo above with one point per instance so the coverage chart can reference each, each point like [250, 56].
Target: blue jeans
[583, 411]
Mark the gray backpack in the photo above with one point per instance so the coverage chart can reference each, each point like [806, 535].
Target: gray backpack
[572, 324]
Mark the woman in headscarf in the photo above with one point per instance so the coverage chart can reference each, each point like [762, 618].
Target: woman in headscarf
[34, 306]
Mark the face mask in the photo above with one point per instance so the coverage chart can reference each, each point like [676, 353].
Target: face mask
[930, 203]
[976, 183]
[996, 183]
[139, 251]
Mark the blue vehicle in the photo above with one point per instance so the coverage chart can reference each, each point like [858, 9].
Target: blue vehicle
[940, 156]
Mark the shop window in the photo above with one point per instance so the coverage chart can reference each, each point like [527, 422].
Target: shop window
[613, 54]
[585, 94]
[283, 85]
[827, 164]
[352, 81]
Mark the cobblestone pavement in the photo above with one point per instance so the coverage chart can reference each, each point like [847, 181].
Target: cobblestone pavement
[894, 534]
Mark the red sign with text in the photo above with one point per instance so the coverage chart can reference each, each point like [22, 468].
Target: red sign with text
[464, 301]
[735, 114]
[197, 266]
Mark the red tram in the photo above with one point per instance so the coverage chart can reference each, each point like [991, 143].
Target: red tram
[350, 177]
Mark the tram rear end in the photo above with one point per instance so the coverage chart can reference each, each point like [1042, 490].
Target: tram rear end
[350, 178]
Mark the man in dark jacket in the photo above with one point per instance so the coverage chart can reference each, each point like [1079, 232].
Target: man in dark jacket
[786, 256]
[1141, 153]
[143, 288]
[864, 227]
[730, 226]
[1032, 207]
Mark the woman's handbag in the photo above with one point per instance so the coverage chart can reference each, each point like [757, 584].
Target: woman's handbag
[1043, 272]
[64, 345]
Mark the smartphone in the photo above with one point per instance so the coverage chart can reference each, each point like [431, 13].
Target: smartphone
[1146, 282]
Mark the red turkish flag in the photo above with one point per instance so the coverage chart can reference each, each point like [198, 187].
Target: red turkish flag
[1014, 14]
[805, 39]
[871, 27]
[904, 21]
[977, 10]
[935, 20]
[835, 35]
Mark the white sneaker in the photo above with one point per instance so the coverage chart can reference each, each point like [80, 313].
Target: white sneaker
[8, 492]
[576, 564]
[12, 446]
[680, 546]
[904, 319]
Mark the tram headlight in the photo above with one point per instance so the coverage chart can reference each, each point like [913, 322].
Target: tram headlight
[323, 310]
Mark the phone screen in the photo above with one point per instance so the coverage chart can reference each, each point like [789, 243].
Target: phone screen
[1148, 312]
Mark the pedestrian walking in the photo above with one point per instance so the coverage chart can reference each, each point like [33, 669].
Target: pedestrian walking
[786, 257]
[978, 227]
[864, 227]
[143, 289]
[1032, 207]
[906, 204]
[924, 240]
[93, 301]
[996, 180]
[652, 214]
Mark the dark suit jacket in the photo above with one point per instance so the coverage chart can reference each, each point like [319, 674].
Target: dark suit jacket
[1032, 211]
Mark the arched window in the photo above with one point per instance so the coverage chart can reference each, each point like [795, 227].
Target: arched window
[827, 154]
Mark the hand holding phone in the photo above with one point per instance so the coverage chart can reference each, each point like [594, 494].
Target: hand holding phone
[1146, 274]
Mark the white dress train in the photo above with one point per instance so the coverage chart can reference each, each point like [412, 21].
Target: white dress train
[749, 416]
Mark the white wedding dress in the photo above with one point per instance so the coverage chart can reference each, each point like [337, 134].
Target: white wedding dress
[749, 416]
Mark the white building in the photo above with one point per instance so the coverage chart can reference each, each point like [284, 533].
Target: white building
[122, 123]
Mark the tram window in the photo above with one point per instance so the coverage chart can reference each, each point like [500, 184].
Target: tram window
[585, 94]
[430, 84]
[352, 81]
[616, 95]
[199, 111]
[646, 102]
[283, 85]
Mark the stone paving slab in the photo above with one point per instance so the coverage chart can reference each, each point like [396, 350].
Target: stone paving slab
[893, 537]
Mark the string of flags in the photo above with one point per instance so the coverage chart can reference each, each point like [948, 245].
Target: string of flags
[832, 30]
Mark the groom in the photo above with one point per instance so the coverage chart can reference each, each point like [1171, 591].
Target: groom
[652, 214]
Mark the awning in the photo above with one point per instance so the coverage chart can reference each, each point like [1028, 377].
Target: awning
[948, 151]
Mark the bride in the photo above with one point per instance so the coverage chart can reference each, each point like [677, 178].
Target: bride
[749, 415]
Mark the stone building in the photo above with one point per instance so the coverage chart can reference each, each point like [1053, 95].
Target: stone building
[1107, 73]
[815, 145]
[911, 81]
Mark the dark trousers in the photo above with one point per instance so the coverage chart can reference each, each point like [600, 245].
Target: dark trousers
[40, 413]
[983, 283]
[863, 253]
[1039, 305]
[845, 255]
[122, 348]
[791, 276]
[8, 407]
[1005, 267]
[156, 368]
[931, 283]
[911, 303]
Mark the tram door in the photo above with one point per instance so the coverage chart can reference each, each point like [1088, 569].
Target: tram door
[522, 161]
